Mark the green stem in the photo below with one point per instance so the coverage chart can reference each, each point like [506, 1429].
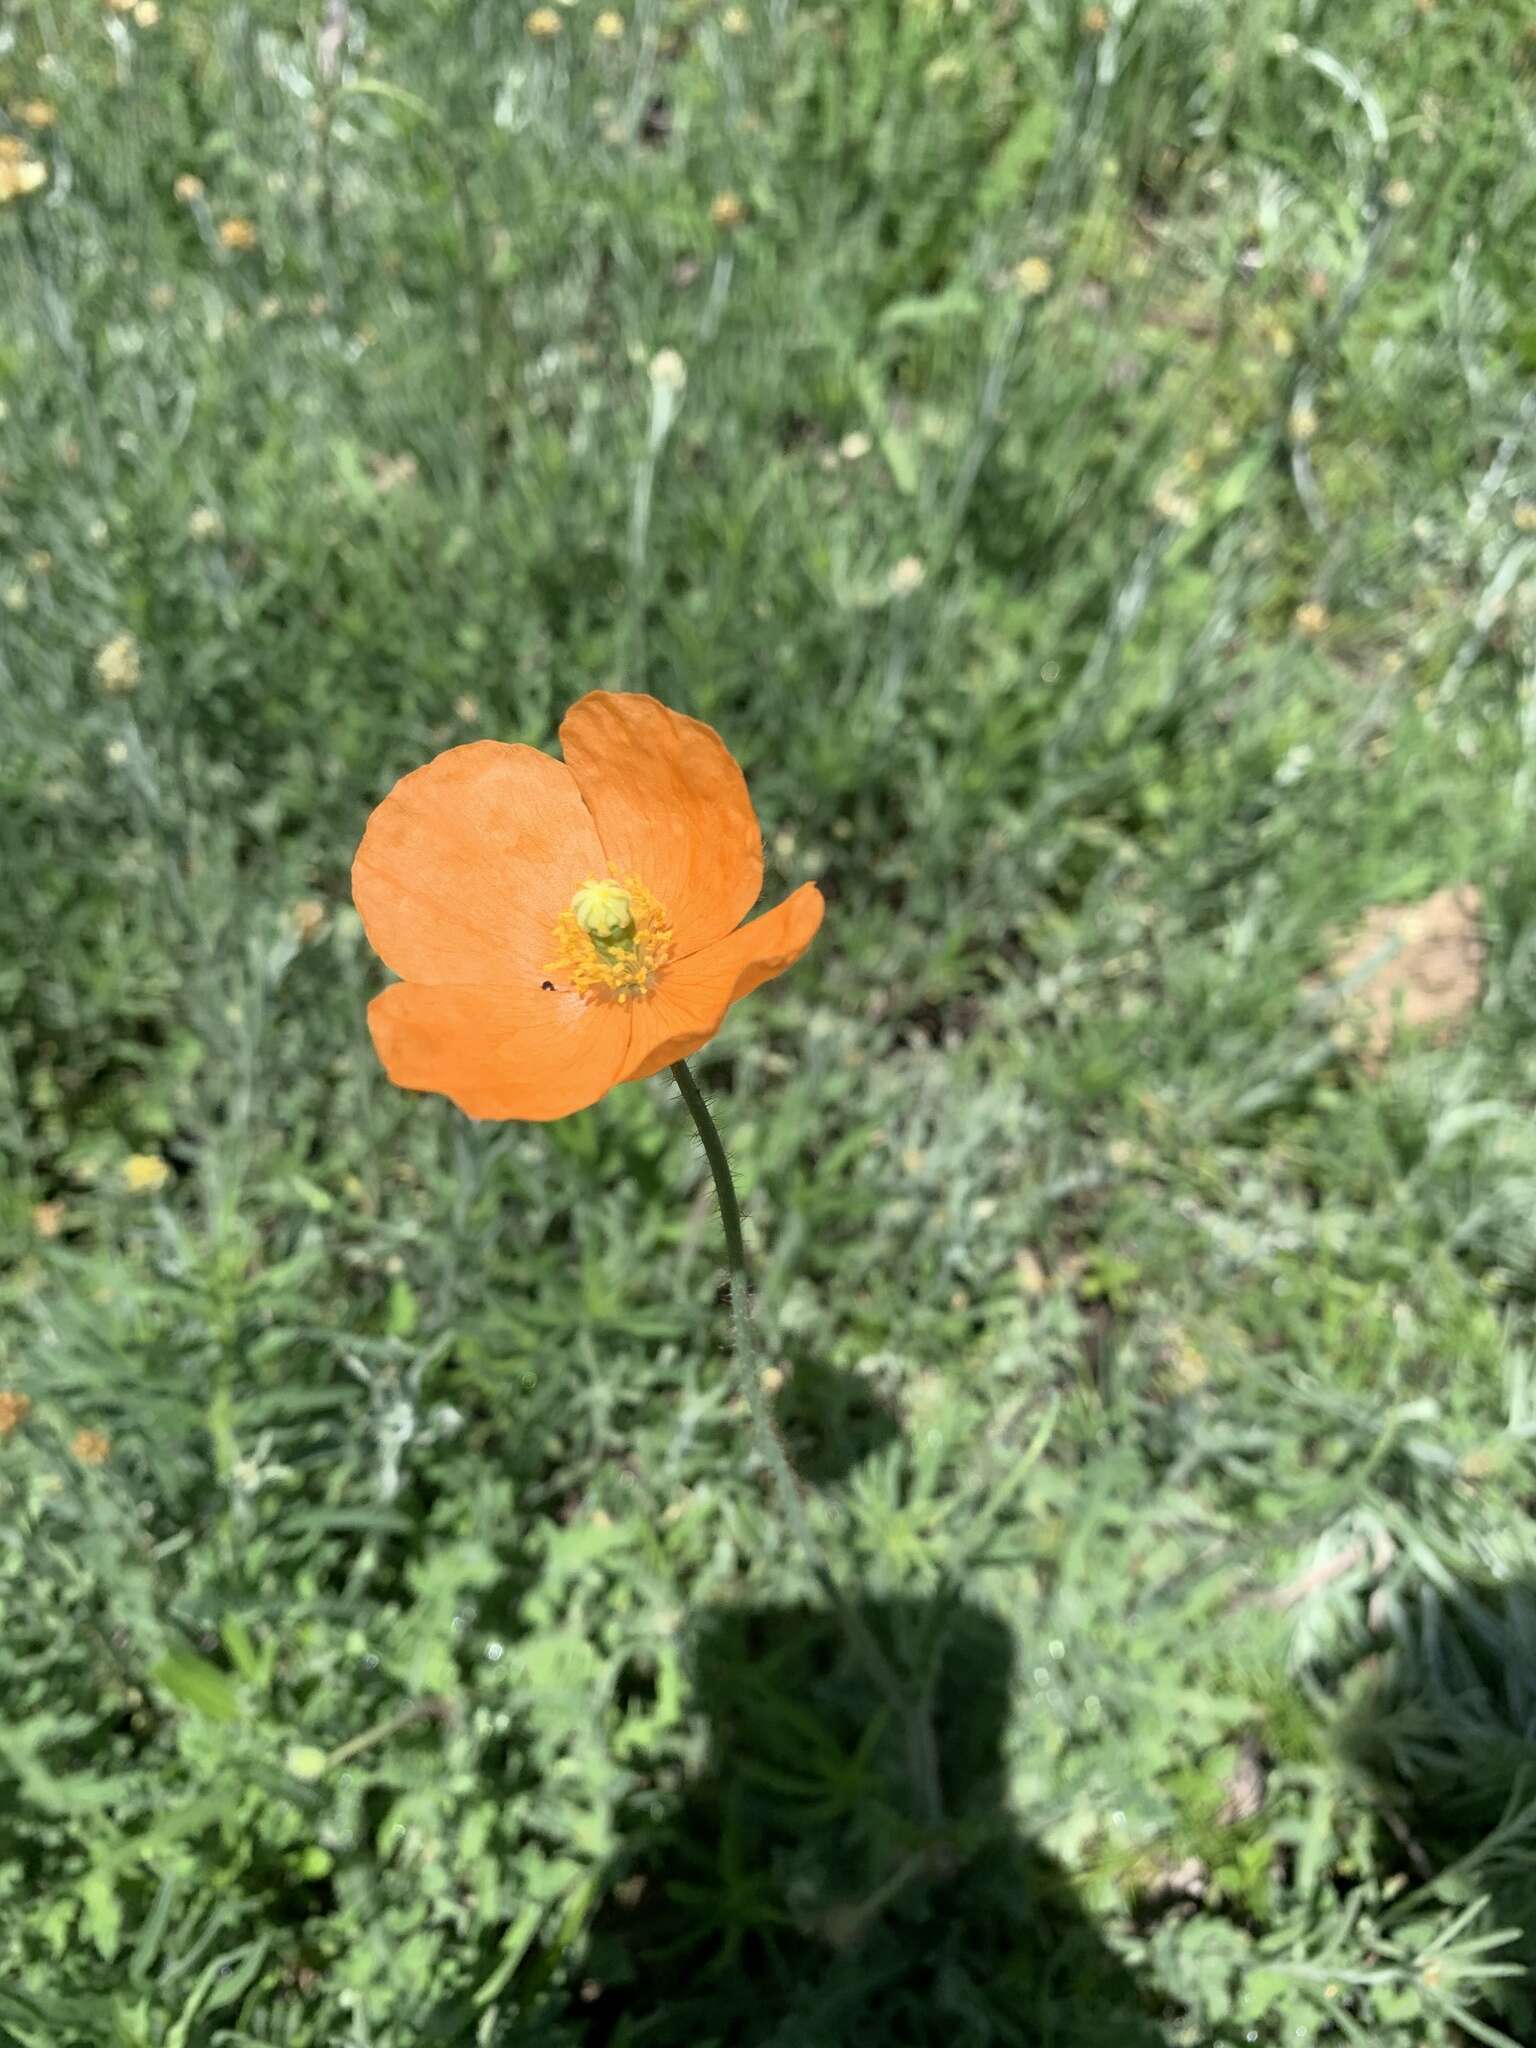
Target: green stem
[922, 1755]
[418, 1710]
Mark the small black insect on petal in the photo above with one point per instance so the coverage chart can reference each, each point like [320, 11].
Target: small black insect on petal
[549, 985]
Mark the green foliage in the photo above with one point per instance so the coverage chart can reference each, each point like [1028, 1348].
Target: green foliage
[423, 1662]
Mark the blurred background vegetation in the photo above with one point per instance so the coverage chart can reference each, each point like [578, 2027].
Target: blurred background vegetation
[1099, 514]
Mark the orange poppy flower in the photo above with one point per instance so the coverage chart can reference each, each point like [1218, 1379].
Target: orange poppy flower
[561, 926]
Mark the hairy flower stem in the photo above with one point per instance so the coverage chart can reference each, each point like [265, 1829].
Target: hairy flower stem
[922, 1755]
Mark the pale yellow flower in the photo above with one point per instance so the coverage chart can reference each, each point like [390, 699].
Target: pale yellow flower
[189, 187]
[237, 233]
[1095, 20]
[1032, 276]
[48, 1218]
[1312, 618]
[466, 708]
[1398, 193]
[144, 1173]
[37, 113]
[14, 1410]
[726, 210]
[1303, 422]
[668, 370]
[19, 176]
[118, 665]
[307, 918]
[1525, 515]
[1174, 505]
[736, 21]
[91, 1446]
[609, 25]
[906, 577]
[40, 562]
[543, 23]
[147, 14]
[204, 523]
[162, 297]
[14, 595]
[855, 446]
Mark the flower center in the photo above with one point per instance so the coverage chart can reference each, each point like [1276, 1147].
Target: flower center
[612, 942]
[604, 911]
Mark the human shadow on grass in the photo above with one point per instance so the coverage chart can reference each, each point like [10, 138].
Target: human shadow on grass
[1440, 1719]
[791, 1898]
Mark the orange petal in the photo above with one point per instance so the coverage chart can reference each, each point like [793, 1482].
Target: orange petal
[693, 995]
[467, 863]
[671, 808]
[500, 1052]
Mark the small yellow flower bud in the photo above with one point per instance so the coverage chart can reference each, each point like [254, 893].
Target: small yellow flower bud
[1032, 276]
[145, 1173]
[117, 664]
[20, 175]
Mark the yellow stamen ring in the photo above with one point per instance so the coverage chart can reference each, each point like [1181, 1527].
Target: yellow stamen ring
[612, 942]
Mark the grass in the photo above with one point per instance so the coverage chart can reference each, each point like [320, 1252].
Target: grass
[425, 1661]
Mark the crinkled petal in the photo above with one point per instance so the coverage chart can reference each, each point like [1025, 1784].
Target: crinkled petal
[466, 864]
[500, 1052]
[693, 995]
[671, 808]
